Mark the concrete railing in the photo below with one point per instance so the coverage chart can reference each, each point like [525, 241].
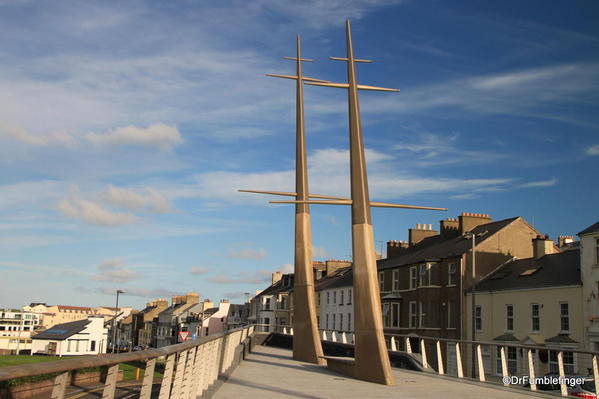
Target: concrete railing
[507, 364]
[190, 367]
[513, 365]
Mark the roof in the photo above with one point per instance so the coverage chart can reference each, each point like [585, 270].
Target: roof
[277, 287]
[591, 229]
[507, 337]
[74, 307]
[63, 331]
[553, 270]
[561, 339]
[343, 277]
[440, 247]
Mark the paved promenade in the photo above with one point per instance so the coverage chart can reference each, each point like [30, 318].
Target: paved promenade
[271, 373]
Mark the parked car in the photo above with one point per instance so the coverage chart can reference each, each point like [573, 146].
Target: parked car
[586, 390]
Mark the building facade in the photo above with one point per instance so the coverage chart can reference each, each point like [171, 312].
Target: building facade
[589, 266]
[16, 328]
[81, 337]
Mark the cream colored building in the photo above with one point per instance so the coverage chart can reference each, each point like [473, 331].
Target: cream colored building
[16, 327]
[534, 301]
[589, 266]
[81, 337]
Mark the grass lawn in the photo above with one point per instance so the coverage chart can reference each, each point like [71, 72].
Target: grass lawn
[13, 360]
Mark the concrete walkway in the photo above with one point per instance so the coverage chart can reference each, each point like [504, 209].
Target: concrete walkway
[271, 373]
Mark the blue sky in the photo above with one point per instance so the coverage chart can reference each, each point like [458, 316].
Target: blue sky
[126, 128]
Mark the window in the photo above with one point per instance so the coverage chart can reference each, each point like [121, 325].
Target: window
[328, 297]
[349, 322]
[568, 362]
[395, 280]
[327, 325]
[349, 297]
[267, 304]
[413, 277]
[381, 281]
[334, 325]
[423, 312]
[341, 297]
[450, 311]
[69, 345]
[92, 346]
[535, 316]
[413, 314]
[341, 321]
[564, 317]
[334, 297]
[422, 280]
[395, 315]
[478, 320]
[597, 251]
[509, 317]
[319, 299]
[452, 274]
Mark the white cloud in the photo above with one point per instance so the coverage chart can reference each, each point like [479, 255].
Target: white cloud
[158, 135]
[592, 150]
[147, 198]
[92, 212]
[198, 270]
[115, 271]
[150, 293]
[247, 253]
[221, 279]
[465, 196]
[320, 252]
[540, 183]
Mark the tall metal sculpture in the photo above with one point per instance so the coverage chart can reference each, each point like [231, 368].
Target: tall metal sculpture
[306, 340]
[371, 356]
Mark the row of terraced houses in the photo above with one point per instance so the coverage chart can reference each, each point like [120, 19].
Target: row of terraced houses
[527, 289]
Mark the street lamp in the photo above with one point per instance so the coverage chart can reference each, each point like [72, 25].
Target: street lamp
[116, 313]
[473, 237]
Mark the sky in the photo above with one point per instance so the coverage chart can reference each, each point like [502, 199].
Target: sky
[127, 127]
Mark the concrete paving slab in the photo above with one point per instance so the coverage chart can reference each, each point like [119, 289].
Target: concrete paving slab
[271, 373]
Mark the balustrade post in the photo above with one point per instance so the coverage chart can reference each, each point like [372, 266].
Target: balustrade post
[504, 370]
[110, 385]
[408, 345]
[596, 374]
[60, 385]
[531, 371]
[458, 358]
[560, 367]
[165, 386]
[188, 373]
[146, 385]
[179, 372]
[423, 350]
[343, 338]
[440, 368]
[481, 366]
[393, 345]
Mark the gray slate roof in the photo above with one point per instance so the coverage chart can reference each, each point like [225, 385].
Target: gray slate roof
[439, 247]
[63, 331]
[591, 229]
[553, 270]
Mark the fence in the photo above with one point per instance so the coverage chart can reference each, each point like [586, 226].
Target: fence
[190, 367]
[501, 363]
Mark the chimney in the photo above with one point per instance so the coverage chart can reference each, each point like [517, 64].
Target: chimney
[207, 304]
[449, 227]
[276, 276]
[469, 221]
[333, 265]
[421, 232]
[562, 241]
[541, 246]
[394, 248]
[192, 297]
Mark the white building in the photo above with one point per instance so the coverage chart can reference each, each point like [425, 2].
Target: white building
[589, 267]
[334, 301]
[16, 327]
[81, 337]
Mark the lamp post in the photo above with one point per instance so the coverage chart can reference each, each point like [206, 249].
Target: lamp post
[116, 313]
[473, 237]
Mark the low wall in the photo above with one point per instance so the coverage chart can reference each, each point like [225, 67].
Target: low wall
[28, 389]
